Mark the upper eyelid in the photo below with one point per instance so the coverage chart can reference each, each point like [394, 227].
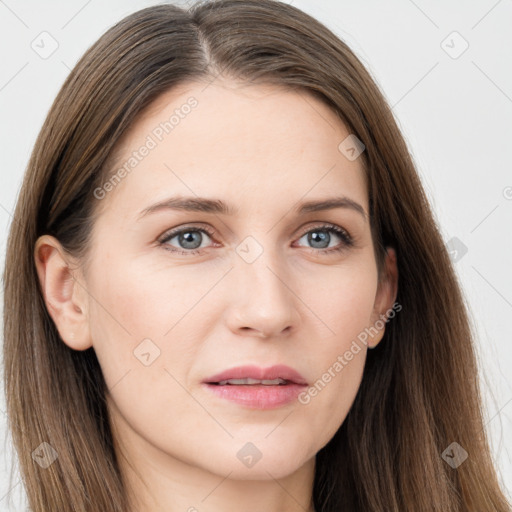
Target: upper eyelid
[171, 233]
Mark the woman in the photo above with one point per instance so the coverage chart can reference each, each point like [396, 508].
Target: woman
[225, 288]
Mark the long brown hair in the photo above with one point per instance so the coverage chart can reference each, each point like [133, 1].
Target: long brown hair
[419, 391]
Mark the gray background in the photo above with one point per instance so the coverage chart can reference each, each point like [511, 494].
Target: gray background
[453, 104]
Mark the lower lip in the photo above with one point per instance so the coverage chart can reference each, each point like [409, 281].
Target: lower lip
[258, 396]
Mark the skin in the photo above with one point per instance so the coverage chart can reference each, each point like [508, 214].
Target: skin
[260, 149]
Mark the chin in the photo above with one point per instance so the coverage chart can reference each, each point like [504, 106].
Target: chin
[262, 472]
[264, 460]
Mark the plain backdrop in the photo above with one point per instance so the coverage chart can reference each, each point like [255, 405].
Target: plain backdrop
[445, 68]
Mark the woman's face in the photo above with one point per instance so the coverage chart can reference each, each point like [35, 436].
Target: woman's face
[269, 282]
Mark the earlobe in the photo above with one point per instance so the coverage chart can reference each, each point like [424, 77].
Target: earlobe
[386, 296]
[63, 295]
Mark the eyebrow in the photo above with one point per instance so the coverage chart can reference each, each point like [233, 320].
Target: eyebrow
[216, 206]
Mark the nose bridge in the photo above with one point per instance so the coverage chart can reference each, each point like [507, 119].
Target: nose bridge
[263, 300]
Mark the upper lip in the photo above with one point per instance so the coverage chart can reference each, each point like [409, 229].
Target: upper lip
[255, 372]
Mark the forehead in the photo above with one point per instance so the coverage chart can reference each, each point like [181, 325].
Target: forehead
[256, 143]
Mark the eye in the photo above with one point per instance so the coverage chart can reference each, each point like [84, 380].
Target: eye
[189, 238]
[321, 237]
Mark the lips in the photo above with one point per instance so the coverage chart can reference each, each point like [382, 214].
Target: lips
[283, 372]
[257, 388]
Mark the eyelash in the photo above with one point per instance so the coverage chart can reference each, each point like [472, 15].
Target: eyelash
[347, 240]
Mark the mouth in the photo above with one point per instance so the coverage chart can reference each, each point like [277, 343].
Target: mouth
[251, 382]
[257, 388]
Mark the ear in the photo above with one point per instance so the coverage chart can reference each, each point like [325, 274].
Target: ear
[385, 297]
[64, 296]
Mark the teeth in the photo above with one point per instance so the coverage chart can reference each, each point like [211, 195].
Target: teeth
[239, 382]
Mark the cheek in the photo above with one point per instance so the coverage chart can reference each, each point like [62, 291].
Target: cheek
[339, 363]
[146, 336]
[145, 320]
[344, 304]
[327, 400]
[140, 301]
[342, 298]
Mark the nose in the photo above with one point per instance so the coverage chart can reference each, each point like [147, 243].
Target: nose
[262, 302]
